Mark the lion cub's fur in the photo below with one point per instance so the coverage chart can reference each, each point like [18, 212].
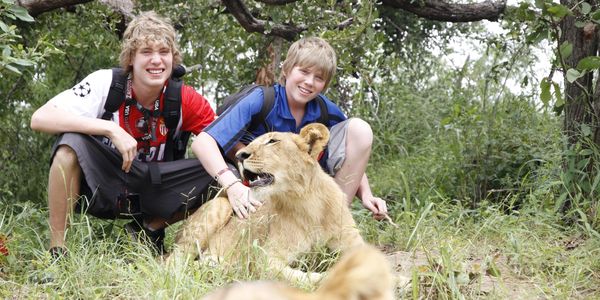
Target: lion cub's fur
[302, 207]
[363, 273]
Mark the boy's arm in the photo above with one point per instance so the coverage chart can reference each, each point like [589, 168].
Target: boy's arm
[375, 204]
[53, 120]
[240, 196]
[234, 150]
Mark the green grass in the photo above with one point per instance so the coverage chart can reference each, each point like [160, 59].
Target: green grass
[527, 250]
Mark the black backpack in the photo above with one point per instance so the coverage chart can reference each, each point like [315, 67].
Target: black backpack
[269, 101]
[175, 146]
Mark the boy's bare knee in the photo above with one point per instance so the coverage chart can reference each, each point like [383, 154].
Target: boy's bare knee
[65, 156]
[360, 133]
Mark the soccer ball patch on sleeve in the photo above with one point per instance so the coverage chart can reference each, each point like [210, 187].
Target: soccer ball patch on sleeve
[82, 89]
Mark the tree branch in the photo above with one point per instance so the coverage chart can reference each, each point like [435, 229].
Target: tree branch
[345, 23]
[438, 10]
[251, 24]
[37, 7]
[277, 2]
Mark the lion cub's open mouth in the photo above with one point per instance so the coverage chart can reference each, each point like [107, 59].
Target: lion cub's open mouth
[258, 180]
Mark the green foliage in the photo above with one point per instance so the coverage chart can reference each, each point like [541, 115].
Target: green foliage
[578, 179]
[457, 136]
[471, 168]
[405, 32]
[579, 184]
[229, 56]
[15, 56]
[24, 155]
[546, 26]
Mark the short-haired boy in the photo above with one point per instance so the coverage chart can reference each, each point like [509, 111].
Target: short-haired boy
[306, 72]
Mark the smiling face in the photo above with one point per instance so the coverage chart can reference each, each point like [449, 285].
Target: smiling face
[303, 84]
[147, 29]
[311, 53]
[152, 65]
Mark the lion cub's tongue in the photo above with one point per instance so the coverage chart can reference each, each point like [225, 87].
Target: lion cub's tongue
[261, 180]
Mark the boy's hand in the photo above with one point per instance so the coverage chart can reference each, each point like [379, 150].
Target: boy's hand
[242, 201]
[125, 144]
[377, 206]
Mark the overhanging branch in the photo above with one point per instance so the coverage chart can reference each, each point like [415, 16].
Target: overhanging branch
[436, 10]
[37, 7]
[252, 24]
[277, 2]
[451, 12]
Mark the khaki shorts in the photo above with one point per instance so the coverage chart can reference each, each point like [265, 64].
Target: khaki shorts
[337, 147]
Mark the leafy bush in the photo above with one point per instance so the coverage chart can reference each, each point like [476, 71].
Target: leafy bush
[450, 141]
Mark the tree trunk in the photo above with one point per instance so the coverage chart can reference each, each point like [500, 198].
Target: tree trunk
[579, 98]
[581, 105]
[267, 74]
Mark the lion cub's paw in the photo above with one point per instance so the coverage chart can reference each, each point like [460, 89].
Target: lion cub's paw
[304, 278]
[314, 277]
[208, 261]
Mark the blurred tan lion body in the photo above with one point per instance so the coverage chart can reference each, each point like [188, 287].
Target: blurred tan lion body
[302, 207]
[363, 273]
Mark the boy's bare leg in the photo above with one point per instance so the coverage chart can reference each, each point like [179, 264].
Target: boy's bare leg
[358, 150]
[63, 188]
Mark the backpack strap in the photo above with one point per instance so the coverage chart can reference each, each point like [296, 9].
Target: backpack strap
[175, 145]
[236, 97]
[268, 103]
[259, 118]
[324, 117]
[116, 93]
[172, 103]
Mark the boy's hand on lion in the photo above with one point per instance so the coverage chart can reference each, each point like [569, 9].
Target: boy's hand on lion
[242, 200]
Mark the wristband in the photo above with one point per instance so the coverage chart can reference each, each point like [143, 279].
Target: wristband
[231, 184]
[221, 173]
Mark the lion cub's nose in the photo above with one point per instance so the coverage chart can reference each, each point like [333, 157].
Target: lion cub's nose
[241, 155]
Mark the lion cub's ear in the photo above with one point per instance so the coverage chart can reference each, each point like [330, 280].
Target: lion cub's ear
[316, 135]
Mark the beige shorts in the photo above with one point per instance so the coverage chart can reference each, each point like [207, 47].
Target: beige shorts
[337, 146]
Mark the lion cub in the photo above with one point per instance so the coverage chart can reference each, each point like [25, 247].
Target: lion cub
[302, 207]
[362, 273]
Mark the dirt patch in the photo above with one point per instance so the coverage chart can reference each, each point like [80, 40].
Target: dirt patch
[475, 277]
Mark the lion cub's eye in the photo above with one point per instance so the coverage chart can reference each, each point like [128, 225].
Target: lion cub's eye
[272, 141]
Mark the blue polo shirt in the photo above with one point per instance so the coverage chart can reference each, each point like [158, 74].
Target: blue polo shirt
[232, 125]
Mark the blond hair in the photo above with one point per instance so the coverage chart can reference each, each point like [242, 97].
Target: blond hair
[146, 28]
[310, 52]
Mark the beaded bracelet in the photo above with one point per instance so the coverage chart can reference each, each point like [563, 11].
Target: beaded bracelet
[221, 173]
[231, 184]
